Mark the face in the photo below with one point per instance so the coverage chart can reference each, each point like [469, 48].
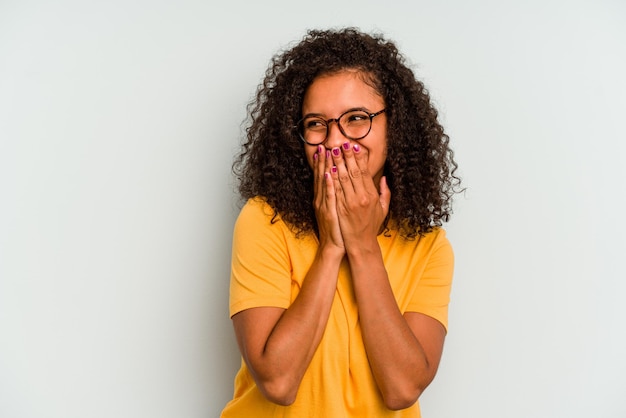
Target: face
[329, 96]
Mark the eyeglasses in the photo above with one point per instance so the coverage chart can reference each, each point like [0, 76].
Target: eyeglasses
[354, 124]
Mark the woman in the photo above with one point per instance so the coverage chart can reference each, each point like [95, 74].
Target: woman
[341, 273]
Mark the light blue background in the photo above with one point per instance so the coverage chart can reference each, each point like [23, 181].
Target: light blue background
[118, 124]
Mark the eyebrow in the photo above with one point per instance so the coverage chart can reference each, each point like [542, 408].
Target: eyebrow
[322, 116]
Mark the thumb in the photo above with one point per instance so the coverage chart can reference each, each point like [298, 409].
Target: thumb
[385, 195]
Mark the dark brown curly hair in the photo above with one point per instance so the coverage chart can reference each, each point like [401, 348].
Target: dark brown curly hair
[420, 167]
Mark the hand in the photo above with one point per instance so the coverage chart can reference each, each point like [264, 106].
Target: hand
[361, 208]
[324, 201]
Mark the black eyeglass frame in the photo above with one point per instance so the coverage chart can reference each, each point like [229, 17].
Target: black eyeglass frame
[336, 120]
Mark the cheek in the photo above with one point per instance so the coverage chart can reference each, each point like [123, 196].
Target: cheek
[377, 160]
[378, 154]
[377, 164]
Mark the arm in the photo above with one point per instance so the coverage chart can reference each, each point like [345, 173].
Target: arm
[403, 350]
[278, 344]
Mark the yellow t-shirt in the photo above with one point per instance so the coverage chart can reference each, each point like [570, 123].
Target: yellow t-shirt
[268, 266]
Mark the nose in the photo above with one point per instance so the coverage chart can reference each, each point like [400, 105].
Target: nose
[335, 137]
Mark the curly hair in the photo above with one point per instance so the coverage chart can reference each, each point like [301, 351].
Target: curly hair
[419, 167]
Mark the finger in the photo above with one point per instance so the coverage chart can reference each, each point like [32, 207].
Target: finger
[330, 193]
[342, 171]
[352, 167]
[361, 157]
[328, 181]
[385, 195]
[318, 175]
[328, 161]
[338, 190]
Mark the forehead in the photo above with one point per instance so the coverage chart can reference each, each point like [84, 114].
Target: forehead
[338, 92]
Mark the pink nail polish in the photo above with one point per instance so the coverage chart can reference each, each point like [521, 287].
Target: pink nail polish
[319, 149]
[327, 154]
[334, 169]
[346, 145]
[356, 148]
[336, 152]
[315, 157]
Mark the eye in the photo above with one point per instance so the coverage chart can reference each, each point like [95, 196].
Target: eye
[356, 118]
[314, 124]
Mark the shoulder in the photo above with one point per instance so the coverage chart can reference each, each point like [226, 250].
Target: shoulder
[256, 206]
[427, 251]
[436, 244]
[431, 241]
[258, 219]
[438, 238]
[257, 212]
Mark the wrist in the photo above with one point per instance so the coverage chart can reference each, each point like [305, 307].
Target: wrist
[330, 252]
[362, 249]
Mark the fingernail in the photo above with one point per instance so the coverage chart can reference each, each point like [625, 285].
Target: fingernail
[326, 175]
[356, 148]
[315, 157]
[327, 154]
[319, 149]
[346, 145]
[336, 152]
[334, 169]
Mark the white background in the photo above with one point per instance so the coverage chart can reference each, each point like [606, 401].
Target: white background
[118, 124]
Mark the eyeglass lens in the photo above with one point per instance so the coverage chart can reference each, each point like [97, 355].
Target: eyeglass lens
[354, 124]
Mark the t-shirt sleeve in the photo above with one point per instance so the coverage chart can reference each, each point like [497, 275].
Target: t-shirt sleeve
[260, 266]
[433, 290]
